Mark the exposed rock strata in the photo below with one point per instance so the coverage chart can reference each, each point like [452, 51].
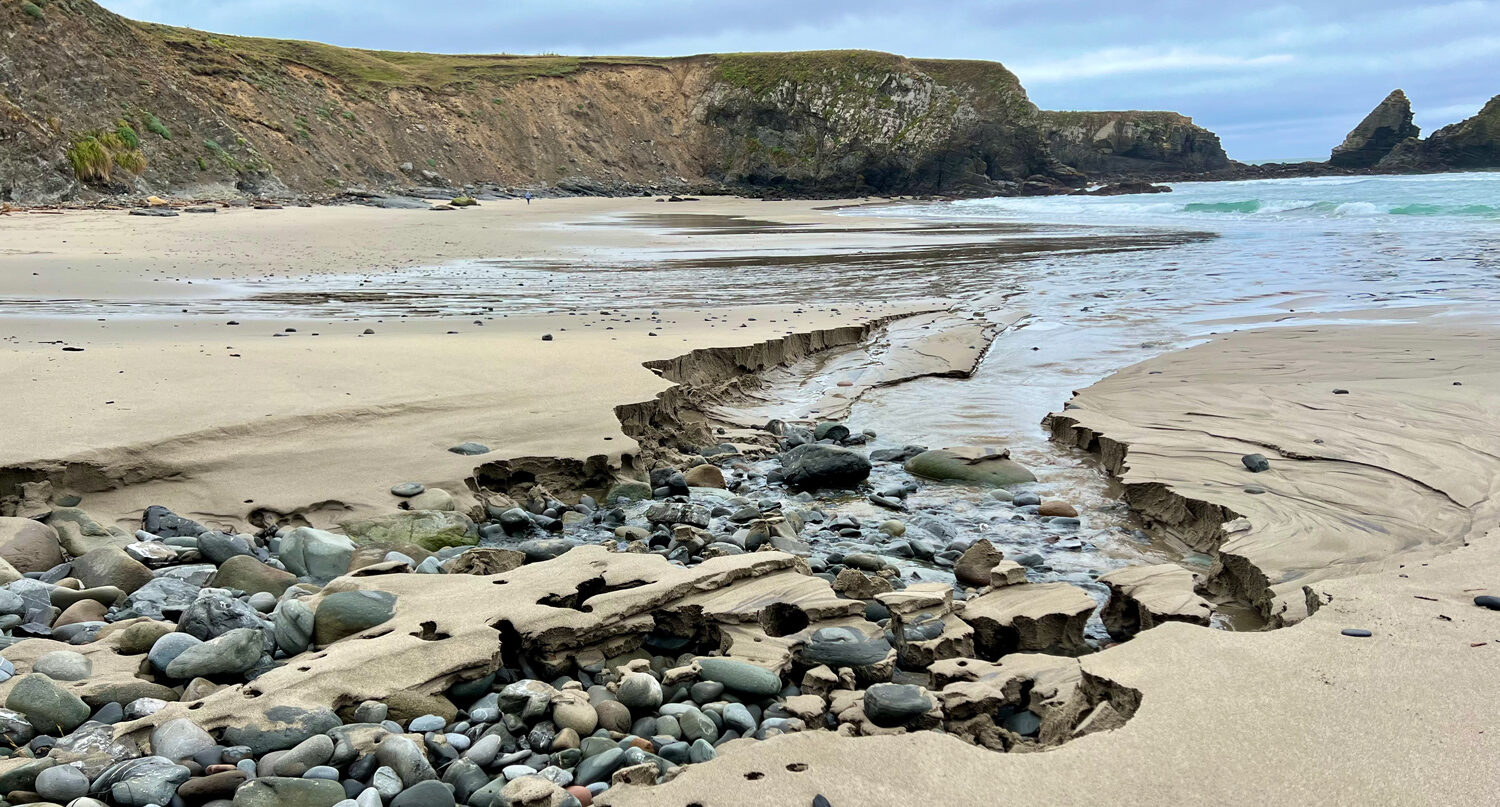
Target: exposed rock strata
[1382, 130]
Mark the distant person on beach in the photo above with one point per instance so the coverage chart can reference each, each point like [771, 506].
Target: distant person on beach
[528, 197]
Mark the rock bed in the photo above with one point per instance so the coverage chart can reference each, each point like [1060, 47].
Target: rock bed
[705, 617]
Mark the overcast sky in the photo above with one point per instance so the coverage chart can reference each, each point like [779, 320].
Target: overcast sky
[1275, 80]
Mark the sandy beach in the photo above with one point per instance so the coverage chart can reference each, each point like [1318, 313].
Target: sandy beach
[313, 417]
[1376, 513]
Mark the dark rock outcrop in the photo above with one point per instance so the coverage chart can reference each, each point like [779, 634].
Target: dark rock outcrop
[1383, 129]
[1114, 144]
[1469, 144]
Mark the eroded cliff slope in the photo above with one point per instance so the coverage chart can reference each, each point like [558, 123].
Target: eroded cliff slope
[92, 103]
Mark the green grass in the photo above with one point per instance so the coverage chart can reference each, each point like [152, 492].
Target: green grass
[369, 69]
[33, 11]
[156, 127]
[94, 156]
[128, 135]
[762, 72]
[90, 160]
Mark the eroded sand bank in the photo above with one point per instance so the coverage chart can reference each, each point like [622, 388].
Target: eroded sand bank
[1392, 522]
[225, 415]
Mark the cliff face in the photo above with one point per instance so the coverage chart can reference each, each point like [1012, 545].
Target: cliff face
[92, 104]
[1386, 126]
[1468, 144]
[1131, 143]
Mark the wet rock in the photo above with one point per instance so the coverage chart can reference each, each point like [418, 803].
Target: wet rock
[317, 554]
[815, 466]
[1489, 601]
[671, 513]
[1057, 509]
[896, 454]
[541, 549]
[470, 449]
[980, 466]
[1256, 463]
[890, 705]
[844, 647]
[628, 491]
[348, 612]
[705, 476]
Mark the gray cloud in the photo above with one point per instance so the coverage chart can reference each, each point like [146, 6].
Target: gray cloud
[1276, 80]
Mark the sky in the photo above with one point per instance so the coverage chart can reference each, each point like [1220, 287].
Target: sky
[1275, 80]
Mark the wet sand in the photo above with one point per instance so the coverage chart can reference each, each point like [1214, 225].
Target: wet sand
[1404, 717]
[313, 417]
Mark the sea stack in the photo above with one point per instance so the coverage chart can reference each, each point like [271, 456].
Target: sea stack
[1386, 126]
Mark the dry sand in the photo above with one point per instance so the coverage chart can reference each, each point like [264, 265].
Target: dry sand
[1300, 715]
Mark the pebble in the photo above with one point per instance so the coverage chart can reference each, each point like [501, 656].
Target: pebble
[407, 490]
[1359, 633]
[1489, 601]
[1256, 463]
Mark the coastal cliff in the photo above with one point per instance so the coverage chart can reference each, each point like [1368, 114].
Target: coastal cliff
[93, 104]
[1468, 144]
[1131, 143]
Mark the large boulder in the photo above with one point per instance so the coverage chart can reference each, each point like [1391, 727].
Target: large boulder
[1387, 125]
[430, 529]
[318, 554]
[29, 546]
[978, 466]
[816, 466]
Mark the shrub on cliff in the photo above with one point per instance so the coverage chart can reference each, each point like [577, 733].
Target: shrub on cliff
[95, 155]
[33, 10]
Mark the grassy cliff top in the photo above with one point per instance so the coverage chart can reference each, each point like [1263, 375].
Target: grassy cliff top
[222, 53]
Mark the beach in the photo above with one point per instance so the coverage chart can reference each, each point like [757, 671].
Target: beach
[728, 473]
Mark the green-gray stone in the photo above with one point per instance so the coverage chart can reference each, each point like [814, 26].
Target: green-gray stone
[430, 529]
[47, 706]
[628, 492]
[973, 465]
[740, 676]
[349, 612]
